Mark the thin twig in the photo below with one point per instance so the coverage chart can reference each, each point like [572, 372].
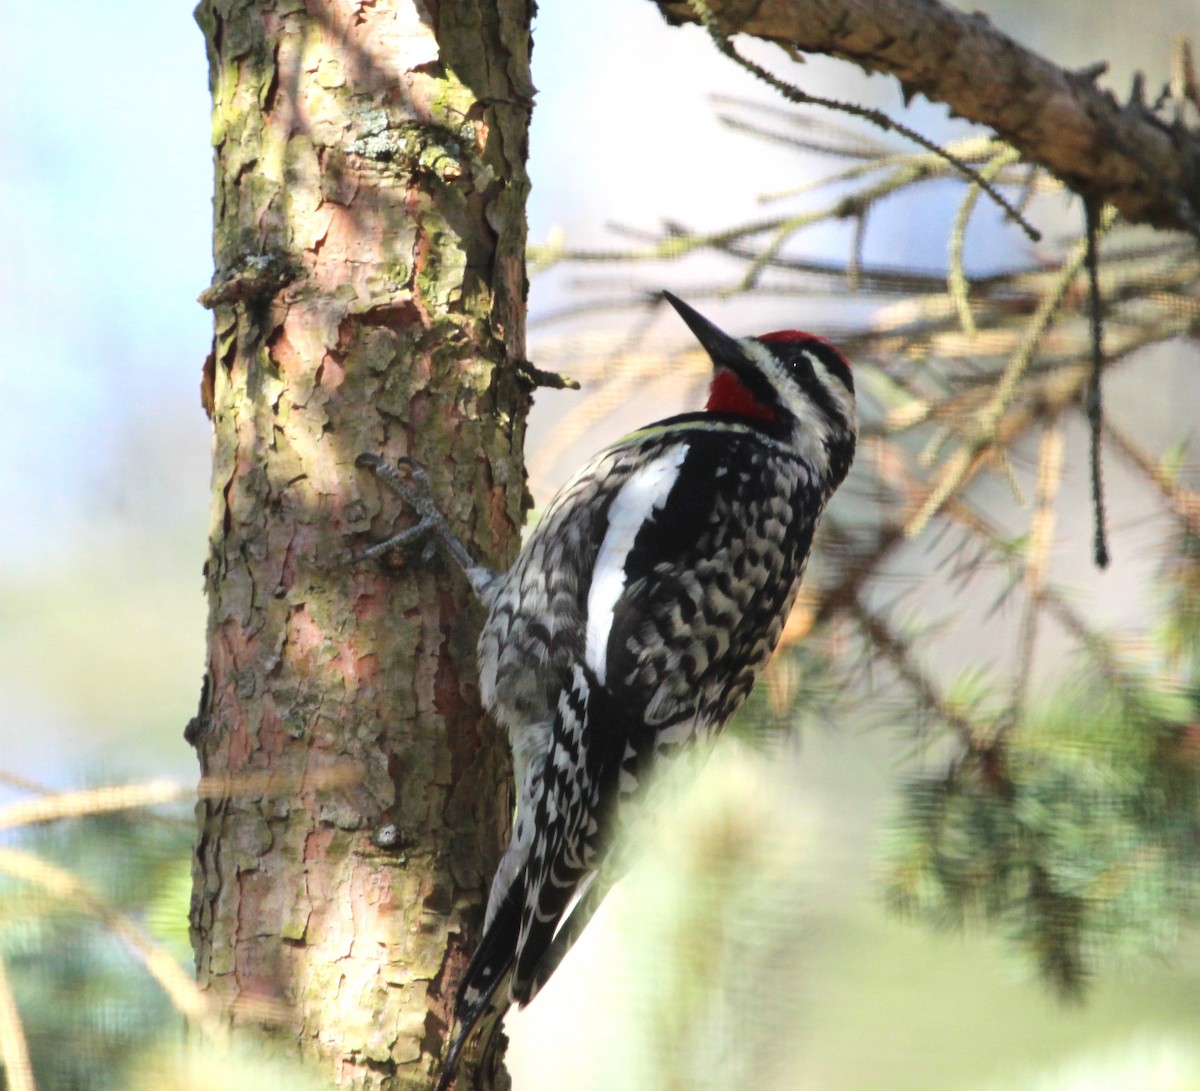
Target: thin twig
[957, 467]
[123, 797]
[14, 1051]
[92, 801]
[956, 280]
[1041, 538]
[875, 117]
[1095, 411]
[1184, 503]
[24, 784]
[899, 652]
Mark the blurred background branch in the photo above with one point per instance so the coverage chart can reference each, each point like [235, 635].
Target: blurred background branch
[1143, 158]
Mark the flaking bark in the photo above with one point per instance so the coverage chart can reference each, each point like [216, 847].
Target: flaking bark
[368, 296]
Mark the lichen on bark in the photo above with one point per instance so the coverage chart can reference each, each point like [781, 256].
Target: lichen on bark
[368, 295]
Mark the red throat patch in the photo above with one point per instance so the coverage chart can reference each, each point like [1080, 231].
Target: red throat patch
[728, 394]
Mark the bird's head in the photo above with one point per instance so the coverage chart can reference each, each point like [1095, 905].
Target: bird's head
[793, 385]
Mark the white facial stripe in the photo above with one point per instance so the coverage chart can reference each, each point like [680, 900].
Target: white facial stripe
[644, 493]
[835, 387]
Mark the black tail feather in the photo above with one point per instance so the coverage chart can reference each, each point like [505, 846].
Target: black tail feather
[569, 931]
[554, 895]
[483, 994]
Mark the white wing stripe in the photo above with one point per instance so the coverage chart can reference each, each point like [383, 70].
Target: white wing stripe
[644, 493]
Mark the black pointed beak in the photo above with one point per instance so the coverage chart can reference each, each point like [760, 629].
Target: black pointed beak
[724, 350]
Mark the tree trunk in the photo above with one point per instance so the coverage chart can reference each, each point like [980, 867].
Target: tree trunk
[368, 296]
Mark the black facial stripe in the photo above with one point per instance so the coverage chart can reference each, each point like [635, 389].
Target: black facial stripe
[759, 385]
[834, 362]
[820, 394]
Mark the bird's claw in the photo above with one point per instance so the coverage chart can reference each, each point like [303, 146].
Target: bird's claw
[415, 492]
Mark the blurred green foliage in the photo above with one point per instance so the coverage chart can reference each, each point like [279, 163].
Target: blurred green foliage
[1077, 831]
[85, 1008]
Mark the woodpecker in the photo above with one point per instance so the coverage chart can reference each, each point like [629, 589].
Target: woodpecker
[633, 624]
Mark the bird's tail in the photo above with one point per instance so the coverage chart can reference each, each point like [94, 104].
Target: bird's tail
[568, 932]
[483, 995]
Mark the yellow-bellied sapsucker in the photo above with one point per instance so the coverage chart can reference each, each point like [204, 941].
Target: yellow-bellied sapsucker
[634, 622]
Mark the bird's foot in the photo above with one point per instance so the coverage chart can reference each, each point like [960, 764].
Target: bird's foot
[414, 490]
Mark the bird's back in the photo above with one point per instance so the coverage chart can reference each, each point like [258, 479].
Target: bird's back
[665, 564]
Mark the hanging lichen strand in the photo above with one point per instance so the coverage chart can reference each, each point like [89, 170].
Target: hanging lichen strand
[368, 295]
